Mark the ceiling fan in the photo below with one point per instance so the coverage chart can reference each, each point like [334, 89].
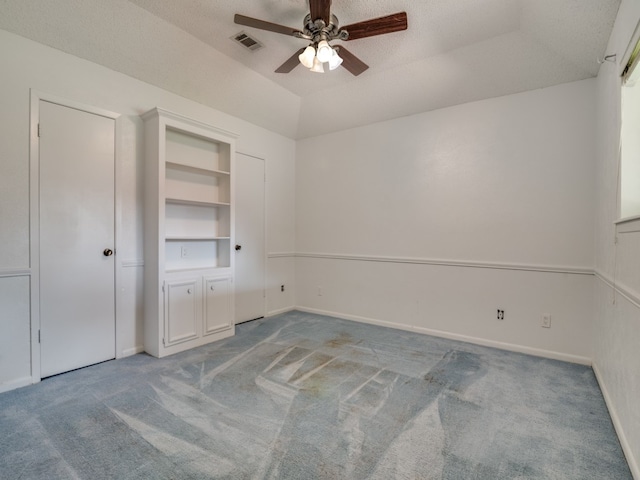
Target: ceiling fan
[321, 27]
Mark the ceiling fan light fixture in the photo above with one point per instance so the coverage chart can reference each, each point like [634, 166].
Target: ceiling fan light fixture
[324, 51]
[335, 61]
[320, 27]
[308, 56]
[318, 66]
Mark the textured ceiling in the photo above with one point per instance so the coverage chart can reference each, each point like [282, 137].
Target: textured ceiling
[454, 51]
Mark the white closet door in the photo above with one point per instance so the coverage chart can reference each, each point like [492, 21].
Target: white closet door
[77, 272]
[250, 258]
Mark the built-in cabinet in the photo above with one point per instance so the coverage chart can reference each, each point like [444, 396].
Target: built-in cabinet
[189, 233]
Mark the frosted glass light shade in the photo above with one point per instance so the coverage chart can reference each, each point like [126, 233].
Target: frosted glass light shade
[318, 66]
[306, 58]
[324, 51]
[334, 61]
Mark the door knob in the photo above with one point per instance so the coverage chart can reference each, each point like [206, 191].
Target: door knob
[238, 247]
[107, 252]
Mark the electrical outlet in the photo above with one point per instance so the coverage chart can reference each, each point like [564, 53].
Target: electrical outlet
[500, 314]
[184, 252]
[319, 291]
[282, 288]
[546, 321]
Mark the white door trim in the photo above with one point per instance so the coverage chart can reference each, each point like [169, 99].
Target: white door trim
[264, 233]
[34, 213]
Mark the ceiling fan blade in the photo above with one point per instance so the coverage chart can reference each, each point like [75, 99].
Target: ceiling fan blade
[262, 25]
[320, 9]
[290, 64]
[351, 62]
[377, 26]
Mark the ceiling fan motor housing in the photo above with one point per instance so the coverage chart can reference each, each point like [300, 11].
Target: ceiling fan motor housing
[317, 30]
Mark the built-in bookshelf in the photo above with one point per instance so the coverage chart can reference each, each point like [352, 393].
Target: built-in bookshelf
[189, 220]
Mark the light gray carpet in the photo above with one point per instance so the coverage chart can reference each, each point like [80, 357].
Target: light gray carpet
[303, 396]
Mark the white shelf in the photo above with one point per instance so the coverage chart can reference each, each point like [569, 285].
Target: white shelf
[187, 147]
[201, 221]
[187, 238]
[201, 203]
[188, 185]
[198, 170]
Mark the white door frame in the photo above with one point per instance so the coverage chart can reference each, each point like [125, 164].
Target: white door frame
[264, 233]
[34, 214]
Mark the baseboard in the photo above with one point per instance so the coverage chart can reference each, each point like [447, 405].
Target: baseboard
[617, 424]
[17, 383]
[273, 313]
[537, 352]
[132, 351]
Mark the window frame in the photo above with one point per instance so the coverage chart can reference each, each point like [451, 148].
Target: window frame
[631, 60]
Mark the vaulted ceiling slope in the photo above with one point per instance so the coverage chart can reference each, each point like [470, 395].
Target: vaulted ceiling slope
[454, 51]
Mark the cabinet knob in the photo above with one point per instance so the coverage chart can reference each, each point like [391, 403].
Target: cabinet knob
[212, 288]
[189, 291]
[107, 252]
[238, 247]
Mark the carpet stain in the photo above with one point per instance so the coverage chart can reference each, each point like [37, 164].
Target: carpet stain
[340, 341]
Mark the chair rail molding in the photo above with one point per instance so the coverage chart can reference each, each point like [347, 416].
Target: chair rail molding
[451, 263]
[15, 272]
[620, 288]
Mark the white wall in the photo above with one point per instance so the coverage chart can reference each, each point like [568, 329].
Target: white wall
[433, 222]
[25, 65]
[617, 293]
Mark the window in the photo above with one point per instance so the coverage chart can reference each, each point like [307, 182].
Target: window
[630, 137]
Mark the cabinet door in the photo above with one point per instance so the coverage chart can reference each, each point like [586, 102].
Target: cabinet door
[217, 304]
[180, 311]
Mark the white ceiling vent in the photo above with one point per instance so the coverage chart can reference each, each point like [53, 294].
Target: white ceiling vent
[246, 41]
